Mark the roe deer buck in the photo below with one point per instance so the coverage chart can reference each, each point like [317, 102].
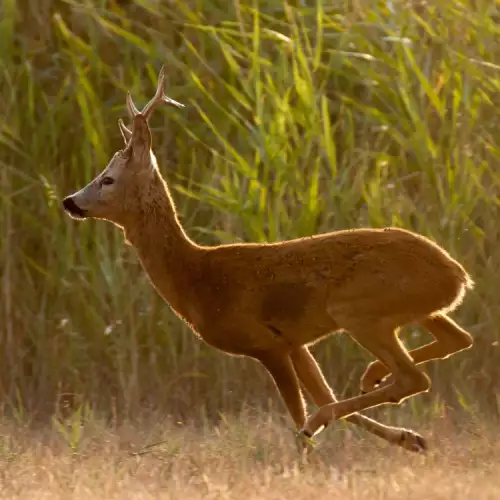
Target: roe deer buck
[271, 301]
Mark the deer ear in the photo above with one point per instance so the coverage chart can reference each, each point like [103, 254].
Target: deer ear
[140, 142]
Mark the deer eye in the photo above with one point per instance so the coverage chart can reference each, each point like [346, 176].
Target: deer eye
[107, 181]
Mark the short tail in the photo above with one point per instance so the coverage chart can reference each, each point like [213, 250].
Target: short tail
[465, 283]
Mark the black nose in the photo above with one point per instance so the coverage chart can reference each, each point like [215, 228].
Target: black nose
[72, 208]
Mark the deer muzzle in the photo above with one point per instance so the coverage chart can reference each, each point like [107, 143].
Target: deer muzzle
[73, 209]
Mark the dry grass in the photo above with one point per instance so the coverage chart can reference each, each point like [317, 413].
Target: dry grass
[246, 457]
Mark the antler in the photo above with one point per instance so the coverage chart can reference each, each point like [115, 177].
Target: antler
[158, 98]
[132, 110]
[126, 132]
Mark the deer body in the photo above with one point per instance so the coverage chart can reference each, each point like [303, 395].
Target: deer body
[294, 292]
[271, 301]
[304, 289]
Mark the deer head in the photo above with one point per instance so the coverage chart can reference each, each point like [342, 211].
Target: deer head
[130, 175]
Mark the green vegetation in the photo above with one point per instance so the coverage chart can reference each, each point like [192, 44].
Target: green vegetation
[300, 119]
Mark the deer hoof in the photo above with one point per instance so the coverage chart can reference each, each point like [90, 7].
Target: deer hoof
[305, 442]
[377, 384]
[414, 442]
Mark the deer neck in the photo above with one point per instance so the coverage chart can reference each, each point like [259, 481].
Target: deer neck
[165, 251]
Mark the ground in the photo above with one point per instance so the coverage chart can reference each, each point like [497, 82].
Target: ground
[245, 458]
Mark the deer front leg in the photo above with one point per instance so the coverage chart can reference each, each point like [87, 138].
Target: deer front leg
[281, 368]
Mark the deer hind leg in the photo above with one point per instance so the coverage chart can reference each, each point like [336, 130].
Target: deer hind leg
[383, 343]
[309, 373]
[449, 339]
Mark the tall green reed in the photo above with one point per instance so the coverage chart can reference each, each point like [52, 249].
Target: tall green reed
[299, 120]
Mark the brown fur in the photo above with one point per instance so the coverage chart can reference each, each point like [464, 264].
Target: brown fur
[271, 301]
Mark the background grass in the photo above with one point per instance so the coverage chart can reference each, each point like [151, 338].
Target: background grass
[301, 118]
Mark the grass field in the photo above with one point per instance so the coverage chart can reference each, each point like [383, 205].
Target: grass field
[251, 458]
